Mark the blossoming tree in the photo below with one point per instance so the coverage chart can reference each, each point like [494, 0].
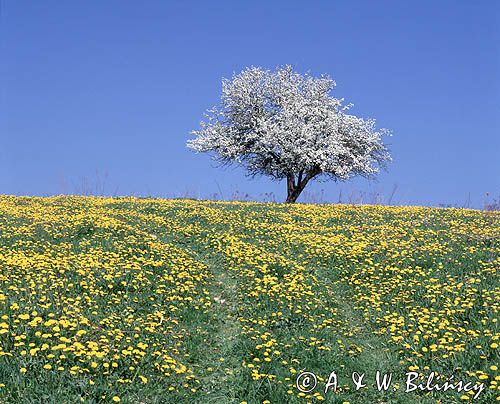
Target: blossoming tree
[288, 126]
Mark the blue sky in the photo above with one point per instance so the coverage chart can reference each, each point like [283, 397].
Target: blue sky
[112, 89]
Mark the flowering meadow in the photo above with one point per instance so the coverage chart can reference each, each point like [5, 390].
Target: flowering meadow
[156, 301]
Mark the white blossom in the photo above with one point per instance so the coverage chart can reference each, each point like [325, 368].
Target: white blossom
[286, 125]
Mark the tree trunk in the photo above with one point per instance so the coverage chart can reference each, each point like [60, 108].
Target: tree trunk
[292, 196]
[290, 186]
[295, 188]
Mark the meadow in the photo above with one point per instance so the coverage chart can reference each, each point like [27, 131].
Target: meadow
[159, 301]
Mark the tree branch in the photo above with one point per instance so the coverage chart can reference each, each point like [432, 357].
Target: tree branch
[309, 176]
[299, 179]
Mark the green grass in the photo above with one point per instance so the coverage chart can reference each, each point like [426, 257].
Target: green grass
[217, 286]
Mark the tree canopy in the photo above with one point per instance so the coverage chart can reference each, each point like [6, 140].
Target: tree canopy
[286, 125]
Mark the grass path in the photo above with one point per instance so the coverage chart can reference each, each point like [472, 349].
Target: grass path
[217, 361]
[211, 348]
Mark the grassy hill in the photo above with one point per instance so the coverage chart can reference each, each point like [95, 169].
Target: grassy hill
[158, 301]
